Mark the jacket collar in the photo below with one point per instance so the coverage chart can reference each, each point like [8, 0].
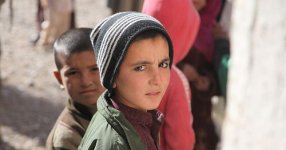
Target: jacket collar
[81, 110]
[117, 120]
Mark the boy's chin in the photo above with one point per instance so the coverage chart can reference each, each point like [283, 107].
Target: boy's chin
[153, 106]
[88, 101]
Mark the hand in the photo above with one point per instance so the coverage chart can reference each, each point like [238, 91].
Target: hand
[44, 3]
[202, 83]
[219, 32]
[190, 72]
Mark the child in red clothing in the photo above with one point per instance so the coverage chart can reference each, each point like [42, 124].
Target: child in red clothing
[181, 21]
[198, 68]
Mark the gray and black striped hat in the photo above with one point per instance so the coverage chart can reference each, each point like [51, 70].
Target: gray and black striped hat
[112, 37]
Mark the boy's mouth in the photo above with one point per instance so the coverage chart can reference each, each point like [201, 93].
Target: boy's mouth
[155, 93]
[87, 91]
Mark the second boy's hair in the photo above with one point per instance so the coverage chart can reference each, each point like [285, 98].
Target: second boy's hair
[73, 41]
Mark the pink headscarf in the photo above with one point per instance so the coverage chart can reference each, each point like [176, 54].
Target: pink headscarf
[205, 41]
[180, 19]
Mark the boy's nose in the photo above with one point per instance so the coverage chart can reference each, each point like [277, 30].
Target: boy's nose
[156, 77]
[86, 80]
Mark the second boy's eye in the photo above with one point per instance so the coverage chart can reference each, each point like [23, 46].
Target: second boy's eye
[71, 73]
[140, 68]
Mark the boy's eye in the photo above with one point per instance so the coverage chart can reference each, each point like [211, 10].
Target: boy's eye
[164, 65]
[94, 68]
[140, 68]
[70, 73]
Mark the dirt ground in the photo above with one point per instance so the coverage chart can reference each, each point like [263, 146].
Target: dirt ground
[31, 99]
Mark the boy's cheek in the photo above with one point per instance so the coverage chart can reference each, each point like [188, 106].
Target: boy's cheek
[167, 76]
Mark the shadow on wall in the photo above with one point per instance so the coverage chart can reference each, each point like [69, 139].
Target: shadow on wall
[25, 116]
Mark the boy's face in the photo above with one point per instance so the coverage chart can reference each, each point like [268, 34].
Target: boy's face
[80, 77]
[144, 74]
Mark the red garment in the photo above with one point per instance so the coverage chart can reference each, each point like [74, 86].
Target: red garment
[181, 21]
[177, 131]
[205, 40]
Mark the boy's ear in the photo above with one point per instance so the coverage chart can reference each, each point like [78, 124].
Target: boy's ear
[57, 75]
[114, 85]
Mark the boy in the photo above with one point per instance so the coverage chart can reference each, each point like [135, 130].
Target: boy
[78, 73]
[134, 58]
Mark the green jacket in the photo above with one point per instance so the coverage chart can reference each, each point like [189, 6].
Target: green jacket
[110, 130]
[70, 127]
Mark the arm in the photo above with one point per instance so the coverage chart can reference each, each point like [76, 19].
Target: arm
[64, 138]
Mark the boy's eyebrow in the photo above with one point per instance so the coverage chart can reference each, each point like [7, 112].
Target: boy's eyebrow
[94, 65]
[148, 62]
[141, 63]
[71, 68]
[166, 59]
[91, 66]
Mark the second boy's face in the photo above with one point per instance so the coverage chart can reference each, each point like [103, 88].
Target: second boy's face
[144, 74]
[80, 77]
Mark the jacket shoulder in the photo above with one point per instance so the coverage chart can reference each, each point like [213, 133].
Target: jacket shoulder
[101, 135]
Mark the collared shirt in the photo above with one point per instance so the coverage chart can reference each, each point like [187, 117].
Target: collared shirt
[70, 126]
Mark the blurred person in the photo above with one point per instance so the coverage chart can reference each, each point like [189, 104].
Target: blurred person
[182, 22]
[11, 21]
[124, 5]
[39, 20]
[199, 69]
[222, 47]
[222, 7]
[53, 18]
[136, 72]
[77, 72]
[1, 2]
[0, 65]
[221, 57]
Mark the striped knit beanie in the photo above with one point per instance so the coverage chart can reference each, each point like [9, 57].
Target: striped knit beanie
[112, 37]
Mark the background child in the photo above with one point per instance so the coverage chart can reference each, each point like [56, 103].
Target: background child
[199, 70]
[177, 132]
[134, 58]
[78, 73]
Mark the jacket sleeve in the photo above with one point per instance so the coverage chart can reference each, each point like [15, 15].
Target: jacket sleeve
[177, 131]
